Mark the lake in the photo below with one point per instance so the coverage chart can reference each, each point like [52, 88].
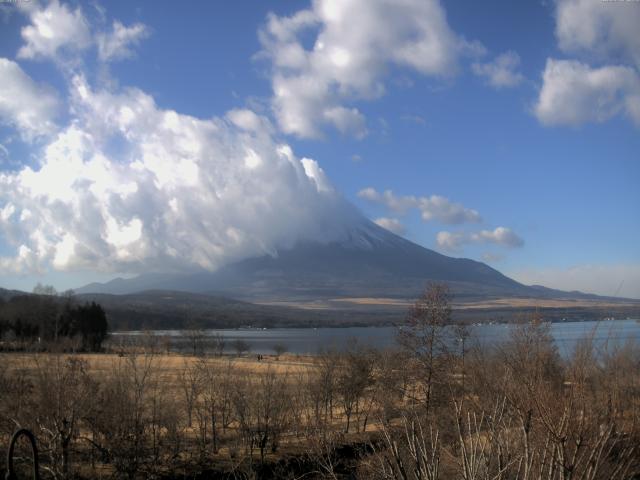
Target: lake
[311, 340]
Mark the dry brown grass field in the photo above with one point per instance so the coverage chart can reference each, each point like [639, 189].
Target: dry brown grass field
[179, 385]
[171, 364]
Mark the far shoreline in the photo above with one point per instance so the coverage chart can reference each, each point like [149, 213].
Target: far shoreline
[303, 326]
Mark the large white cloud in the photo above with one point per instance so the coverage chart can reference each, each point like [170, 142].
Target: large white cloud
[602, 80]
[130, 187]
[53, 29]
[434, 207]
[604, 29]
[355, 42]
[27, 106]
[574, 93]
[57, 32]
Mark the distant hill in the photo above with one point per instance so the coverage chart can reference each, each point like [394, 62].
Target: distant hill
[8, 294]
[160, 309]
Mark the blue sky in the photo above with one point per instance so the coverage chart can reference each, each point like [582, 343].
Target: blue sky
[506, 132]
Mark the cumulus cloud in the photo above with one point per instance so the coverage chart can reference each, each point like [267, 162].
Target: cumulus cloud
[399, 204]
[248, 120]
[25, 105]
[53, 29]
[605, 30]
[347, 120]
[312, 87]
[127, 186]
[57, 32]
[574, 93]
[392, 224]
[500, 236]
[621, 280]
[117, 44]
[451, 241]
[454, 241]
[434, 207]
[443, 210]
[502, 71]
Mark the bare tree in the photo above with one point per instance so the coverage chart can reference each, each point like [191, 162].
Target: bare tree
[354, 377]
[41, 289]
[323, 386]
[424, 336]
[390, 383]
[190, 385]
[218, 344]
[412, 452]
[195, 335]
[214, 400]
[121, 421]
[262, 410]
[241, 346]
[64, 394]
[280, 349]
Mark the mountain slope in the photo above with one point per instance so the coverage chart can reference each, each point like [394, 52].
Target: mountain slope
[366, 260]
[6, 295]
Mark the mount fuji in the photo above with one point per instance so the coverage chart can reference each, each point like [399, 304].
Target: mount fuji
[364, 260]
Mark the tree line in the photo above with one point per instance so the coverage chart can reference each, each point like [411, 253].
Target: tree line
[45, 319]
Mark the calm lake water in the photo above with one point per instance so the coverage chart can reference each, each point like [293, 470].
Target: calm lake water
[311, 340]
